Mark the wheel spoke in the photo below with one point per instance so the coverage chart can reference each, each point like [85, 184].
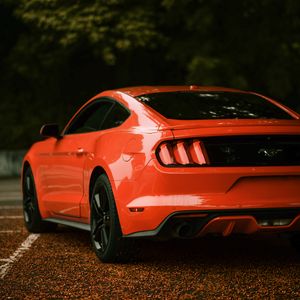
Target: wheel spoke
[104, 237]
[97, 205]
[28, 186]
[28, 183]
[26, 216]
[103, 201]
[96, 229]
[28, 211]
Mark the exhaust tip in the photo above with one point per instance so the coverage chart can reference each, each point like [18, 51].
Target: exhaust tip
[184, 230]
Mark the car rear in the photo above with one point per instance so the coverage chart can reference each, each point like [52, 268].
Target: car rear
[231, 164]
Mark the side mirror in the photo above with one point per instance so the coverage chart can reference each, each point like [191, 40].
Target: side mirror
[50, 130]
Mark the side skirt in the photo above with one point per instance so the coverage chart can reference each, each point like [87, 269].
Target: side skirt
[78, 225]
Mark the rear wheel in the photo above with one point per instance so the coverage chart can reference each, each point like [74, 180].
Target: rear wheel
[106, 234]
[31, 212]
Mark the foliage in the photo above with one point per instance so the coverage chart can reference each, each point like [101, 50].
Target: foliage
[56, 54]
[110, 25]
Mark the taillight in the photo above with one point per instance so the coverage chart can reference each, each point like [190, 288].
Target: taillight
[182, 153]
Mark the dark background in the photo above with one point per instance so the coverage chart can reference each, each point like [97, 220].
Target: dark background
[55, 55]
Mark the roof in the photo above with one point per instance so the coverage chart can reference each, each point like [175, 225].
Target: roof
[142, 90]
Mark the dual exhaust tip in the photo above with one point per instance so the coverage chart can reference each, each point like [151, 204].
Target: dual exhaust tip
[187, 229]
[184, 230]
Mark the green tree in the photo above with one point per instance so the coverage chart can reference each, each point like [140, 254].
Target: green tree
[246, 44]
[110, 26]
[57, 54]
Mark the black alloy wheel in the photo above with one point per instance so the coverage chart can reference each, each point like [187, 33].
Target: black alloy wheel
[28, 197]
[32, 216]
[101, 222]
[106, 234]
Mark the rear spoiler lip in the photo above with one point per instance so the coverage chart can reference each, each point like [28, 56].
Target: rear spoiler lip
[231, 123]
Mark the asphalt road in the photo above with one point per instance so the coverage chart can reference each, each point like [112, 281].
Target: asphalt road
[61, 265]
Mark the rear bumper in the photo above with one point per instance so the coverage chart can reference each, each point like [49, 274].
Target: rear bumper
[191, 224]
[160, 193]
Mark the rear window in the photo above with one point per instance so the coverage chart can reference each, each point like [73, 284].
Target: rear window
[212, 105]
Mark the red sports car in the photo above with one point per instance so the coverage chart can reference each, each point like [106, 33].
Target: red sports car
[174, 161]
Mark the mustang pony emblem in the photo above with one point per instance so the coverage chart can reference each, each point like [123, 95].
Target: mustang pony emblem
[269, 152]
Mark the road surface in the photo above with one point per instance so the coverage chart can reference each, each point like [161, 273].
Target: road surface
[61, 265]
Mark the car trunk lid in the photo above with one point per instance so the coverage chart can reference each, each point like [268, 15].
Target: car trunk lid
[243, 142]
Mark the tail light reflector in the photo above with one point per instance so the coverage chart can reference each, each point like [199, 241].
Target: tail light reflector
[182, 153]
[165, 154]
[198, 153]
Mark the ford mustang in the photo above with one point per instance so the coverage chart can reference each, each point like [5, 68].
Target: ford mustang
[167, 162]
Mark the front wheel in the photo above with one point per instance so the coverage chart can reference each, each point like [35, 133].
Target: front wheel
[31, 212]
[106, 234]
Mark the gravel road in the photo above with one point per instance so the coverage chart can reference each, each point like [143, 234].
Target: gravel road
[61, 265]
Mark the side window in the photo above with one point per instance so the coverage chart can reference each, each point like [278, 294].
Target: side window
[90, 118]
[115, 117]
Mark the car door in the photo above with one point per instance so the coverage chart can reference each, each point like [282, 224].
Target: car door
[65, 186]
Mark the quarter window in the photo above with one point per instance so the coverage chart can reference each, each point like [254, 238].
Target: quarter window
[116, 117]
[90, 118]
[101, 114]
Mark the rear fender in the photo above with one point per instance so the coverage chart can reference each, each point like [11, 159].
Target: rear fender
[124, 157]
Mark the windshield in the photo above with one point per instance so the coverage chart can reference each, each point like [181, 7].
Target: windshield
[212, 105]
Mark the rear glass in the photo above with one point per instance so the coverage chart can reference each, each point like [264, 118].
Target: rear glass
[212, 105]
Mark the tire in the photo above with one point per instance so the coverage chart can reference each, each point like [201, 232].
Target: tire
[106, 234]
[32, 217]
